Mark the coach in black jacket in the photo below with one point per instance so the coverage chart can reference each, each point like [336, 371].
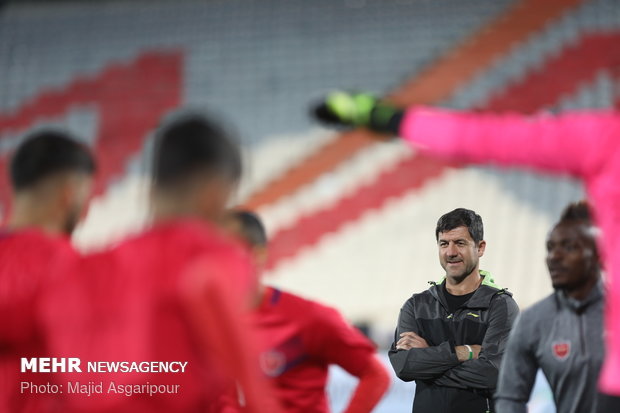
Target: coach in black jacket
[451, 337]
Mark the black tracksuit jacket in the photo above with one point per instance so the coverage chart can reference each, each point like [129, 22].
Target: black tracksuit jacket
[443, 384]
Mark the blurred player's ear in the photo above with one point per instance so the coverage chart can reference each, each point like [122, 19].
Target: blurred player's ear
[69, 194]
[261, 255]
[211, 196]
[482, 245]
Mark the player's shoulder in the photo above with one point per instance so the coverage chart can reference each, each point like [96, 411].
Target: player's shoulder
[36, 257]
[188, 236]
[293, 299]
[185, 230]
[32, 236]
[36, 245]
[307, 308]
[177, 246]
[540, 310]
[205, 235]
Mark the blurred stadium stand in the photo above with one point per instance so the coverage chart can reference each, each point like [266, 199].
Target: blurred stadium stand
[352, 221]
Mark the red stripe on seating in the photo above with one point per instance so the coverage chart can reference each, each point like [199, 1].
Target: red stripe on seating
[410, 174]
[561, 75]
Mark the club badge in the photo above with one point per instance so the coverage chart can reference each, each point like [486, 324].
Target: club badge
[272, 363]
[561, 349]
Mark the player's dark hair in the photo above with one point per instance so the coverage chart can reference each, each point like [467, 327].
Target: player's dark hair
[191, 144]
[461, 217]
[576, 212]
[46, 153]
[252, 228]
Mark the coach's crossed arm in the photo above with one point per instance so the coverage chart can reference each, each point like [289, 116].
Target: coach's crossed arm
[409, 340]
[413, 359]
[482, 373]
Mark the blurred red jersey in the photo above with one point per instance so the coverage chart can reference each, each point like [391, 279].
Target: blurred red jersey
[299, 340]
[29, 260]
[127, 304]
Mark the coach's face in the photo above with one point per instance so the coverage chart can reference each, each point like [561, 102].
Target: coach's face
[459, 254]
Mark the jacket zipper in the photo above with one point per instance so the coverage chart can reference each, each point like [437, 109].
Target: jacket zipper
[582, 338]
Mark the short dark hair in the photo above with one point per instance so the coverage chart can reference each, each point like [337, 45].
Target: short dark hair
[190, 144]
[577, 212]
[461, 217]
[45, 153]
[252, 228]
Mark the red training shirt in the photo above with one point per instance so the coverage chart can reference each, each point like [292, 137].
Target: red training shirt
[29, 260]
[127, 304]
[299, 340]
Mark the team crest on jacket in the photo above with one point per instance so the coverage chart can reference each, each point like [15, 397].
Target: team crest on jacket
[561, 349]
[272, 363]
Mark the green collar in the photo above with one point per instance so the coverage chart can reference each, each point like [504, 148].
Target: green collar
[487, 279]
[482, 296]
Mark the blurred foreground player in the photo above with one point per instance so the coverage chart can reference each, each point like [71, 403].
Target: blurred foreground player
[175, 292]
[450, 338]
[51, 177]
[301, 338]
[563, 333]
[584, 144]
